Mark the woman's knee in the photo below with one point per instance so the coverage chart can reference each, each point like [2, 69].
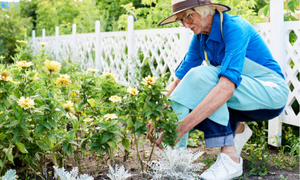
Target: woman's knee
[204, 74]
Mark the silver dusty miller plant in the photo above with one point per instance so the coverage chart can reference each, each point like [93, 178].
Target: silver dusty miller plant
[118, 173]
[175, 164]
[73, 175]
[10, 175]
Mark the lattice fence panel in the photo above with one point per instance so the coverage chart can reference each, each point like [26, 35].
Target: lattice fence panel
[114, 55]
[66, 48]
[86, 51]
[161, 47]
[291, 69]
[264, 31]
[50, 47]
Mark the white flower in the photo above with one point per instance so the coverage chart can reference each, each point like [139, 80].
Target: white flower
[132, 91]
[115, 99]
[110, 116]
[26, 103]
[149, 80]
[24, 64]
[93, 70]
[68, 107]
[88, 120]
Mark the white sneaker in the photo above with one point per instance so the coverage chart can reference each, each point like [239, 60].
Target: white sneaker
[223, 169]
[241, 139]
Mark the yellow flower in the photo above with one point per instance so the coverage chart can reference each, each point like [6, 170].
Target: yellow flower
[93, 70]
[1, 58]
[149, 80]
[63, 80]
[52, 66]
[110, 116]
[4, 77]
[88, 120]
[26, 103]
[68, 107]
[115, 99]
[43, 44]
[24, 64]
[109, 75]
[22, 42]
[1, 112]
[132, 91]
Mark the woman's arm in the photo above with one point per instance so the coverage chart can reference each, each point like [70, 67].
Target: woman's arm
[172, 86]
[218, 96]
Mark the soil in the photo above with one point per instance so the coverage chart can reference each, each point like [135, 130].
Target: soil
[89, 165]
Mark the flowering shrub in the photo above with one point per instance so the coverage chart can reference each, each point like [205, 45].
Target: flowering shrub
[47, 109]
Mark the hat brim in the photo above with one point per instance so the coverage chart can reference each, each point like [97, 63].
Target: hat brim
[173, 17]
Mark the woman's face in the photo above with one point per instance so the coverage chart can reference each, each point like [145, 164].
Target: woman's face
[199, 24]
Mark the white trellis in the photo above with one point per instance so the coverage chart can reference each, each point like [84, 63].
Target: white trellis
[119, 52]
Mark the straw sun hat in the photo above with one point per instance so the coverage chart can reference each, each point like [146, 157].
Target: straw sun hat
[182, 5]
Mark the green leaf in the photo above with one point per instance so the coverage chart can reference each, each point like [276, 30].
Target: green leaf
[52, 123]
[45, 124]
[105, 138]
[50, 94]
[16, 133]
[92, 102]
[70, 150]
[126, 143]
[148, 113]
[55, 147]
[52, 137]
[42, 145]
[65, 146]
[13, 123]
[1, 163]
[95, 144]
[2, 136]
[21, 147]
[39, 128]
[235, 2]
[291, 6]
[62, 110]
[113, 144]
[45, 107]
[130, 123]
[138, 124]
[8, 153]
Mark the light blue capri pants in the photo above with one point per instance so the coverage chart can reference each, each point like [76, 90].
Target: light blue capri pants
[260, 90]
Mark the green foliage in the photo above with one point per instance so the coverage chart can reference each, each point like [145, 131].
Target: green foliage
[45, 113]
[149, 16]
[12, 28]
[196, 138]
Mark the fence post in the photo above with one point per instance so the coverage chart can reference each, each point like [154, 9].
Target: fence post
[43, 35]
[33, 42]
[277, 35]
[57, 45]
[98, 46]
[74, 49]
[131, 50]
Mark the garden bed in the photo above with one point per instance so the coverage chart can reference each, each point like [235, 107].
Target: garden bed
[89, 165]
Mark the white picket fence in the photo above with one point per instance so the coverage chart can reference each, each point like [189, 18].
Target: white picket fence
[120, 52]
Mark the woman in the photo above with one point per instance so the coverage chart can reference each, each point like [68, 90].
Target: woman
[242, 82]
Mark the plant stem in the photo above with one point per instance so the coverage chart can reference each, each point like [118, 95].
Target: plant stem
[137, 151]
[36, 173]
[78, 161]
[152, 148]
